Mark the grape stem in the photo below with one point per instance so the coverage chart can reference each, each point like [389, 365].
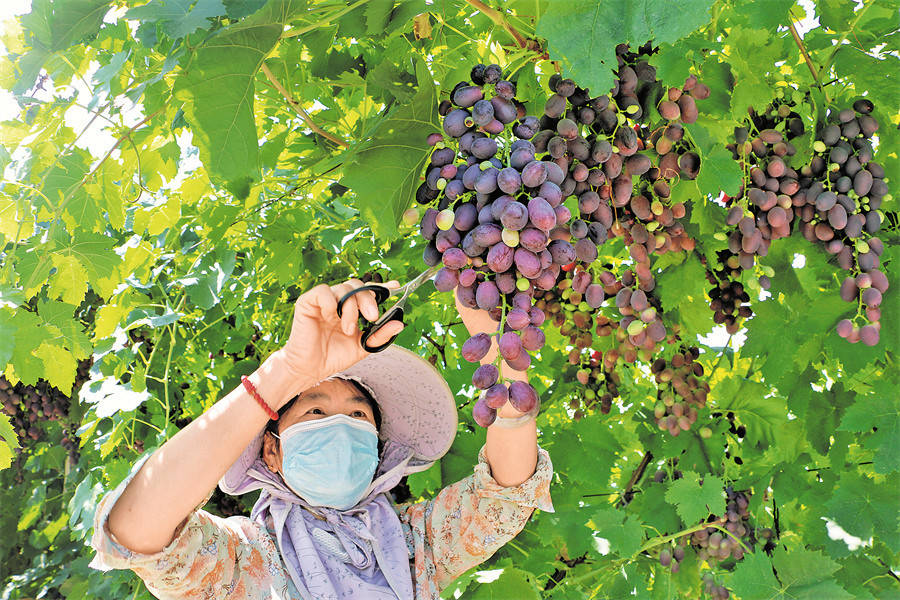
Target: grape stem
[799, 41]
[635, 476]
[299, 109]
[497, 17]
[440, 347]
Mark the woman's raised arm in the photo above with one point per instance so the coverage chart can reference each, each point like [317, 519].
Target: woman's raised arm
[179, 475]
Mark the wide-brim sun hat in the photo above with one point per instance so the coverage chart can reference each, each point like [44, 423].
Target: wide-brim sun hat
[416, 404]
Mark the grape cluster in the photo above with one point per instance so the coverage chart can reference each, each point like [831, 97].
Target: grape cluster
[497, 203]
[712, 545]
[680, 392]
[842, 212]
[717, 592]
[601, 386]
[28, 405]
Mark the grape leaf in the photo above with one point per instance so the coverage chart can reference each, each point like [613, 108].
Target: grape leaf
[753, 404]
[219, 92]
[583, 34]
[881, 411]
[864, 508]
[177, 17]
[7, 337]
[59, 366]
[70, 280]
[623, 532]
[384, 169]
[694, 501]
[719, 172]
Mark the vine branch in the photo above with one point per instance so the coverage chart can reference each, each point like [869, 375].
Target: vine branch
[497, 17]
[799, 41]
[638, 472]
[299, 109]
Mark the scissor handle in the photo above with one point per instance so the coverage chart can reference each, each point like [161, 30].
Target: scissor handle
[394, 314]
[382, 293]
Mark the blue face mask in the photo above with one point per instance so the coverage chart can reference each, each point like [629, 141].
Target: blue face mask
[330, 461]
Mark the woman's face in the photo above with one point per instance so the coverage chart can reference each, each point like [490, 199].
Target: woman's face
[332, 397]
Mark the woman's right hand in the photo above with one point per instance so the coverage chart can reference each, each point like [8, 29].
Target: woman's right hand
[321, 343]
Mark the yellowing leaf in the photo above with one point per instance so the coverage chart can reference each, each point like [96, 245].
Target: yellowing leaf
[59, 366]
[70, 280]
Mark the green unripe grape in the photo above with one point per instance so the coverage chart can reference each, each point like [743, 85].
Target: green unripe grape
[819, 146]
[441, 183]
[485, 165]
[705, 433]
[565, 293]
[615, 148]
[862, 246]
[652, 225]
[833, 167]
[590, 394]
[569, 307]
[440, 145]
[657, 207]
[769, 271]
[510, 237]
[410, 217]
[635, 327]
[444, 219]
[720, 236]
[522, 284]
[620, 118]
[632, 109]
[584, 306]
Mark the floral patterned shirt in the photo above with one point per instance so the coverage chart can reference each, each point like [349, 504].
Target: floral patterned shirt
[213, 557]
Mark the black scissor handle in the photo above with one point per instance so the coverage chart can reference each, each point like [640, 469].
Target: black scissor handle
[394, 314]
[381, 294]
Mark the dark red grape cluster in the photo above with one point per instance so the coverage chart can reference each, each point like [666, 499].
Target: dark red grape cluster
[680, 390]
[28, 405]
[496, 206]
[601, 386]
[712, 544]
[842, 212]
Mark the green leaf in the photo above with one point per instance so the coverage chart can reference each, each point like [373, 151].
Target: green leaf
[7, 337]
[693, 500]
[883, 413]
[583, 34]
[70, 280]
[753, 404]
[59, 366]
[512, 583]
[719, 172]
[623, 532]
[219, 91]
[176, 17]
[384, 170]
[753, 579]
[864, 508]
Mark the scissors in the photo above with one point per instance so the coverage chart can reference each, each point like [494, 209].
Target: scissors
[395, 312]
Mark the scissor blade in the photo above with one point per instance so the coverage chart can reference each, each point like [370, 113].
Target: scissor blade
[419, 280]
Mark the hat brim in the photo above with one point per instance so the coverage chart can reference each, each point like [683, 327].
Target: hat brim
[417, 408]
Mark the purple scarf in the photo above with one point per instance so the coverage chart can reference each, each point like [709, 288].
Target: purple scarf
[360, 552]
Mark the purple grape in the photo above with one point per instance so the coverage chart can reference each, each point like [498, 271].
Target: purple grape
[594, 295]
[500, 257]
[510, 345]
[446, 239]
[871, 297]
[506, 282]
[586, 250]
[455, 258]
[534, 173]
[520, 362]
[588, 202]
[483, 414]
[496, 396]
[487, 295]
[521, 300]
[446, 279]
[517, 318]
[555, 174]
[533, 239]
[499, 205]
[562, 252]
[509, 180]
[546, 280]
[542, 215]
[466, 295]
[844, 327]
[484, 148]
[457, 122]
[485, 376]
[486, 234]
[528, 263]
[514, 216]
[522, 396]
[580, 281]
[487, 181]
[550, 192]
[537, 316]
[532, 338]
[868, 334]
[465, 216]
[428, 227]
[454, 189]
[562, 214]
[476, 347]
[504, 110]
[467, 96]
[521, 157]
[482, 112]
[467, 277]
[430, 255]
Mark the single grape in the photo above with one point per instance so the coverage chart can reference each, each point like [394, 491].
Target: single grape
[467, 96]
[476, 347]
[532, 338]
[446, 279]
[496, 396]
[485, 376]
[869, 335]
[510, 345]
[483, 414]
[542, 215]
[522, 396]
[455, 258]
[487, 295]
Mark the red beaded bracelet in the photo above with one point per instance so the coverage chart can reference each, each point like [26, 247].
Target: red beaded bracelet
[252, 391]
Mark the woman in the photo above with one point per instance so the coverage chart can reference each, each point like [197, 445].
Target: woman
[349, 426]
